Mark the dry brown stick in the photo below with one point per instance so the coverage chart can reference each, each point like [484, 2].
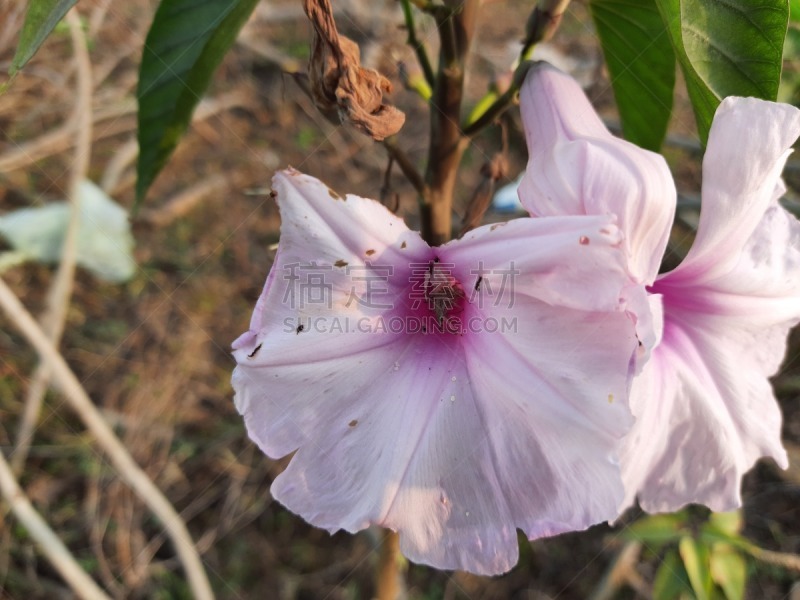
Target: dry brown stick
[622, 572]
[60, 292]
[48, 542]
[126, 154]
[785, 560]
[127, 468]
[183, 202]
[406, 166]
[59, 139]
[388, 583]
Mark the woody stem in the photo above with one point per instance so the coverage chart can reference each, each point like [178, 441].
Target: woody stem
[388, 582]
[455, 22]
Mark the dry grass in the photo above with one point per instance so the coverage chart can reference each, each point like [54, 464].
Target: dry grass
[153, 353]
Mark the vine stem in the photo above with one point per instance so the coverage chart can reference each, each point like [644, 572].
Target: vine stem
[61, 289]
[127, 468]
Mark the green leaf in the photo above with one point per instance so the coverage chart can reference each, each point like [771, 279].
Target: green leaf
[40, 20]
[671, 580]
[726, 48]
[729, 522]
[641, 63]
[729, 571]
[656, 529]
[185, 44]
[794, 11]
[696, 561]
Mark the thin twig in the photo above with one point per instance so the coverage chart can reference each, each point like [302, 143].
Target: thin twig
[542, 24]
[126, 153]
[62, 138]
[60, 292]
[48, 542]
[406, 166]
[127, 468]
[186, 200]
[785, 560]
[622, 572]
[416, 43]
[502, 103]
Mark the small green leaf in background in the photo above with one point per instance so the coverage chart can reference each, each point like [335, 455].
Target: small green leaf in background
[729, 522]
[40, 20]
[729, 571]
[730, 48]
[655, 530]
[671, 580]
[184, 46]
[696, 561]
[723, 527]
[790, 77]
[641, 63]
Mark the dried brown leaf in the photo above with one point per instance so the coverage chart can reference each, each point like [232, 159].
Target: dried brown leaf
[338, 81]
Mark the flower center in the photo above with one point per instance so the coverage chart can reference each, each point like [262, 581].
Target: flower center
[444, 296]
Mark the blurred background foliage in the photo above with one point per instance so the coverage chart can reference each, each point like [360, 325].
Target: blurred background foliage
[152, 348]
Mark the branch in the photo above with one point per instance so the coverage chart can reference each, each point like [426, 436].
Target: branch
[416, 44]
[405, 164]
[128, 470]
[541, 26]
[456, 25]
[60, 292]
[503, 102]
[622, 572]
[48, 542]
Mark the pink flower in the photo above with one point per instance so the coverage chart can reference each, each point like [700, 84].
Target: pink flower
[704, 408]
[383, 365]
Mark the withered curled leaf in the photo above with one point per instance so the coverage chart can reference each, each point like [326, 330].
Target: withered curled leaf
[339, 82]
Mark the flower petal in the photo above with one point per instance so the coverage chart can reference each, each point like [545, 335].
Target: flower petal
[702, 420]
[748, 144]
[567, 261]
[575, 166]
[708, 379]
[331, 276]
[453, 440]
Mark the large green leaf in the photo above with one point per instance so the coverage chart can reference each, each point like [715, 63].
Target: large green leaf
[641, 64]
[726, 48]
[40, 20]
[185, 44]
